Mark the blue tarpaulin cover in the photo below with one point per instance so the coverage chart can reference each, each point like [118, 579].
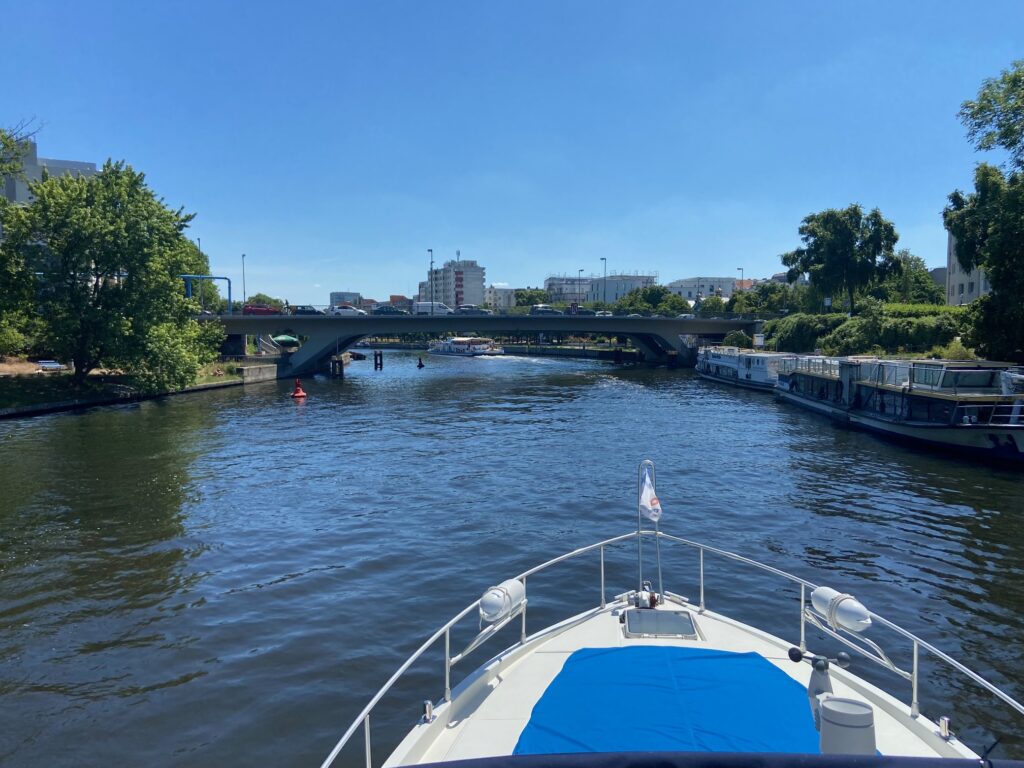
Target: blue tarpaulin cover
[661, 698]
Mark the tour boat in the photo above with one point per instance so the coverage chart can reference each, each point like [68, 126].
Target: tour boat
[465, 346]
[970, 406]
[740, 367]
[647, 677]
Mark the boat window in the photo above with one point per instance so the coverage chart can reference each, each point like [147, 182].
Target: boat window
[968, 379]
[642, 622]
[929, 375]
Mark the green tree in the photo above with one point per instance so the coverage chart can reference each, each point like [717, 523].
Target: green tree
[738, 339]
[527, 297]
[988, 225]
[844, 250]
[711, 305]
[652, 299]
[909, 283]
[996, 117]
[270, 301]
[12, 148]
[106, 254]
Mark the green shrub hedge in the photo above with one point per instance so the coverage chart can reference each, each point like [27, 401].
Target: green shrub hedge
[800, 332]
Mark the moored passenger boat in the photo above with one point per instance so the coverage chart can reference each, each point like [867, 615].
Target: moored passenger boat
[741, 367]
[648, 677]
[466, 346]
[972, 406]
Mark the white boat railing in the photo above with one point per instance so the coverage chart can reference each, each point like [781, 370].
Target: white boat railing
[874, 652]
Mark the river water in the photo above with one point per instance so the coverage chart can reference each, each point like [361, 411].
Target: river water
[226, 578]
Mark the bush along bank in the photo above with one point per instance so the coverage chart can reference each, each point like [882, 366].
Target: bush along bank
[879, 329]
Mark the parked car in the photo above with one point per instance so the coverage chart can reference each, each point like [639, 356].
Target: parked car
[344, 310]
[306, 309]
[259, 309]
[543, 309]
[471, 309]
[387, 309]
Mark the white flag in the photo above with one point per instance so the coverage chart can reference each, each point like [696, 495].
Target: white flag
[649, 504]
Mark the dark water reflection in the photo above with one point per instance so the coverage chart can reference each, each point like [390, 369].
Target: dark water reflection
[226, 578]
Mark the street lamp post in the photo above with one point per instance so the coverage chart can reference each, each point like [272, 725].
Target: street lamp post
[579, 287]
[604, 284]
[244, 294]
[430, 277]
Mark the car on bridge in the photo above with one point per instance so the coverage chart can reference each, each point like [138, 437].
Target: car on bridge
[544, 309]
[259, 309]
[604, 313]
[387, 309]
[472, 309]
[305, 309]
[343, 310]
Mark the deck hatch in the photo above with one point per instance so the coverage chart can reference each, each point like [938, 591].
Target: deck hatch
[642, 622]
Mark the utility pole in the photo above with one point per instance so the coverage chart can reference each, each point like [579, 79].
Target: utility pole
[604, 285]
[244, 295]
[430, 277]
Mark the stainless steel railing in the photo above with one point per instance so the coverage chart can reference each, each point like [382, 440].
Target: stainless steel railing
[998, 414]
[872, 651]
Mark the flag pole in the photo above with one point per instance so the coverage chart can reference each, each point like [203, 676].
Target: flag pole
[639, 525]
[657, 544]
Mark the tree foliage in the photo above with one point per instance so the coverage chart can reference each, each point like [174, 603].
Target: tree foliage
[100, 257]
[527, 297]
[996, 117]
[270, 301]
[844, 250]
[12, 148]
[909, 283]
[738, 339]
[801, 332]
[711, 305]
[651, 299]
[988, 225]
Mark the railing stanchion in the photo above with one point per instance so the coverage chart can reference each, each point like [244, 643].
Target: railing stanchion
[448, 665]
[602, 577]
[803, 619]
[702, 579]
[915, 708]
[366, 729]
[522, 627]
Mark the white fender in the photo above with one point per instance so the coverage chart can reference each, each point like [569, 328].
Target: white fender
[840, 610]
[500, 601]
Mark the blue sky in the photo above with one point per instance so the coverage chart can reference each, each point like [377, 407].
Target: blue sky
[333, 143]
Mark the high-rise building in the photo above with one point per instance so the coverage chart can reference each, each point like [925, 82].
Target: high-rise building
[15, 190]
[454, 283]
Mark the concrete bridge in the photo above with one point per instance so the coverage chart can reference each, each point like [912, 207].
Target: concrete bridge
[660, 338]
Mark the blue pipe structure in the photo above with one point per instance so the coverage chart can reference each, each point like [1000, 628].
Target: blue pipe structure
[188, 285]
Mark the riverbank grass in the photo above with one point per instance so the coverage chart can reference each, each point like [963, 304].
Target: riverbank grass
[40, 389]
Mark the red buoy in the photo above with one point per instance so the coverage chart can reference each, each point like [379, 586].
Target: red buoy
[298, 394]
